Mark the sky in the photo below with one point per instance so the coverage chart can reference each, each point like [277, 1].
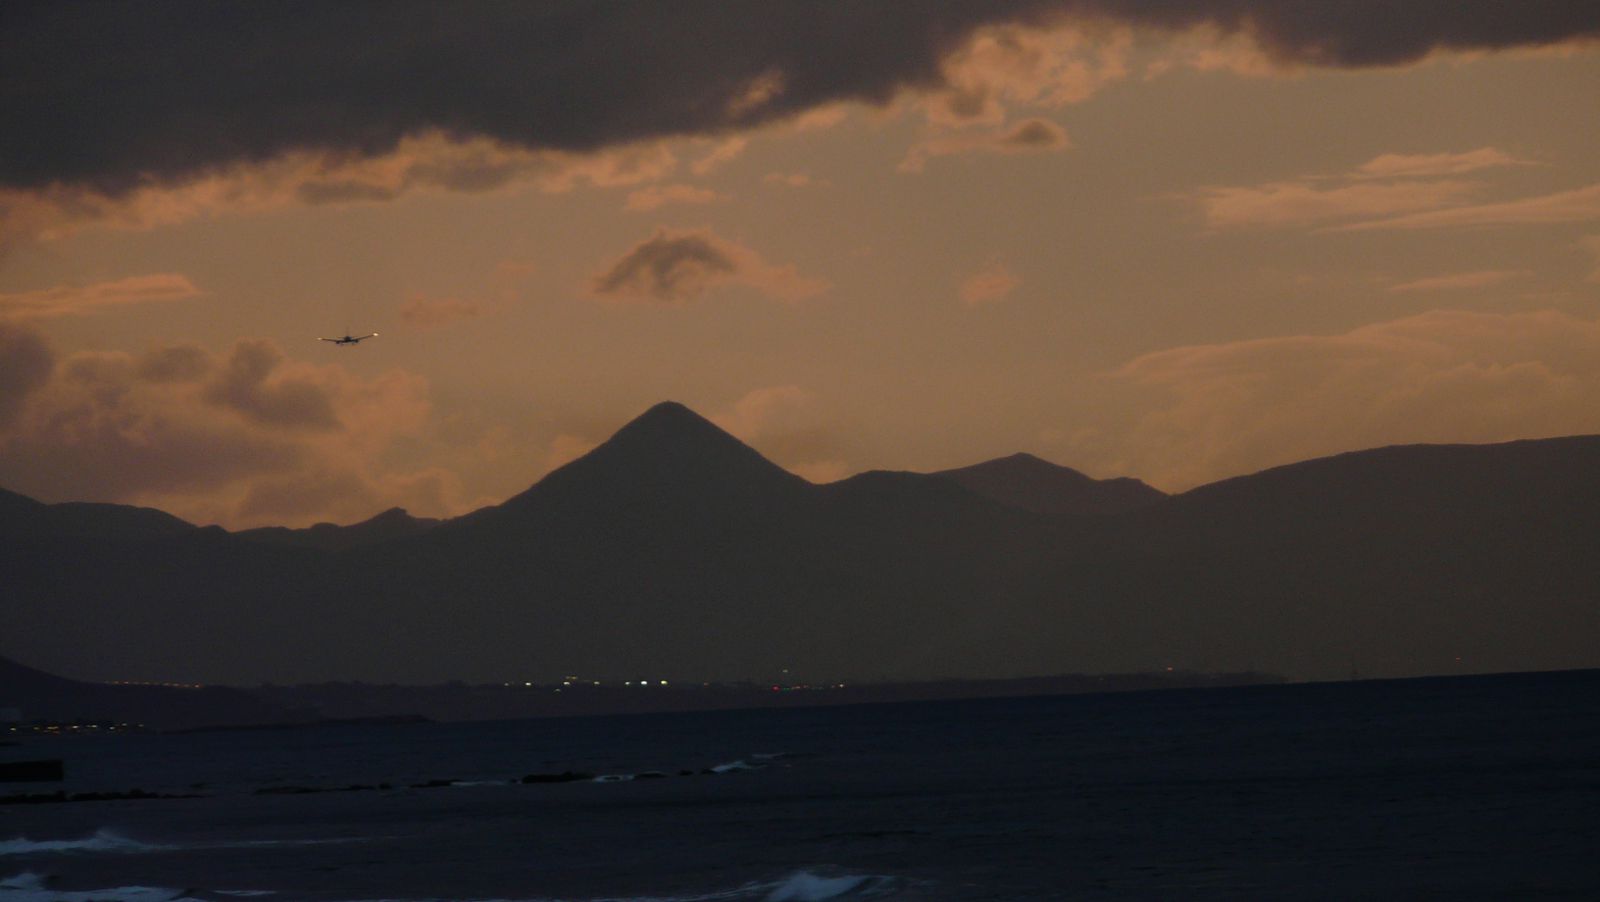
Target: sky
[1179, 241]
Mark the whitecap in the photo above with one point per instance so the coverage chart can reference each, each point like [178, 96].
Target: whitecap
[30, 887]
[101, 841]
[804, 886]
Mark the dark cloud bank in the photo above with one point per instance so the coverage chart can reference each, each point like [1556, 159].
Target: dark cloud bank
[110, 94]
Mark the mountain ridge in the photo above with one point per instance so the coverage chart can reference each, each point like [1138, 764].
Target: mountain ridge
[677, 550]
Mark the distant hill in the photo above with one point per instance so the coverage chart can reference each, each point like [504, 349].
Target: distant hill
[393, 523]
[43, 696]
[1026, 482]
[20, 515]
[675, 551]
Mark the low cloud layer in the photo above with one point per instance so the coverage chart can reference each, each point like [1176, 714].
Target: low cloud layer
[247, 437]
[73, 300]
[115, 95]
[1212, 411]
[678, 266]
[1577, 205]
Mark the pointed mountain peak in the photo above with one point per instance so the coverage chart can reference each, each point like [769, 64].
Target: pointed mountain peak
[670, 437]
[667, 452]
[670, 421]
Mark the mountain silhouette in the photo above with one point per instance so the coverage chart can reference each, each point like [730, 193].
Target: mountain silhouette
[393, 523]
[1026, 482]
[673, 550]
[44, 696]
[20, 515]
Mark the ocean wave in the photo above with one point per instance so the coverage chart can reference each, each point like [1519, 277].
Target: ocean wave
[30, 887]
[101, 841]
[111, 842]
[804, 886]
[800, 886]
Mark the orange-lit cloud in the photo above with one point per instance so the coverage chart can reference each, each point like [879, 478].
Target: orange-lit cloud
[656, 196]
[791, 427]
[1213, 411]
[1026, 66]
[1302, 203]
[990, 284]
[1591, 243]
[1395, 165]
[74, 300]
[677, 266]
[1577, 205]
[1387, 190]
[792, 179]
[246, 438]
[1028, 136]
[428, 162]
[1461, 280]
[425, 313]
[26, 362]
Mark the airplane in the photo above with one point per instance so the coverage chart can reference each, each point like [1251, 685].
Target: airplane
[350, 339]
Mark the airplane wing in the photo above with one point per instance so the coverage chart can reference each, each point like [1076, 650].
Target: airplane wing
[328, 339]
[367, 336]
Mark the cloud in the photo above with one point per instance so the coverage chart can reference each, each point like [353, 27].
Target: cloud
[724, 151]
[575, 77]
[792, 179]
[246, 437]
[1591, 243]
[1395, 165]
[1576, 205]
[246, 383]
[682, 265]
[566, 448]
[425, 313]
[1028, 136]
[1389, 191]
[1048, 67]
[993, 283]
[1281, 204]
[789, 425]
[75, 300]
[1211, 411]
[25, 366]
[1453, 281]
[655, 196]
[431, 161]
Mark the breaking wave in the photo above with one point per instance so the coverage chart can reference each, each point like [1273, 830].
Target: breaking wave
[101, 841]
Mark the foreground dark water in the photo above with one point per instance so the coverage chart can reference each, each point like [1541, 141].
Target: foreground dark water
[1460, 788]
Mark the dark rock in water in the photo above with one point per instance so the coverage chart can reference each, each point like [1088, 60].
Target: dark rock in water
[433, 784]
[650, 775]
[565, 776]
[49, 770]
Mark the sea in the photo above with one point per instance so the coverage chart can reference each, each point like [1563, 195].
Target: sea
[1459, 788]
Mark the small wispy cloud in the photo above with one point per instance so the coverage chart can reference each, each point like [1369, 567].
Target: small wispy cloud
[1395, 165]
[657, 196]
[1461, 280]
[1028, 136]
[1389, 188]
[989, 285]
[77, 300]
[677, 266]
[1577, 205]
